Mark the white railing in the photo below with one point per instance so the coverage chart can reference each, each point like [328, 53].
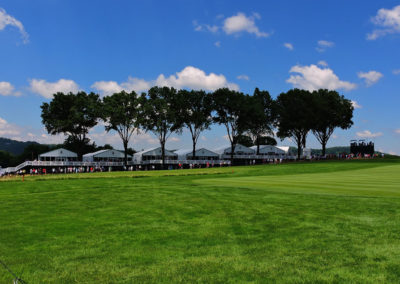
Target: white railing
[225, 160]
[176, 162]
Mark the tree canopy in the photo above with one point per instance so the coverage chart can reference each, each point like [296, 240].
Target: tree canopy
[160, 115]
[72, 115]
[121, 113]
[294, 116]
[330, 111]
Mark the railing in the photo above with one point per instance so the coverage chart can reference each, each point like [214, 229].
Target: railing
[225, 160]
[59, 164]
[176, 162]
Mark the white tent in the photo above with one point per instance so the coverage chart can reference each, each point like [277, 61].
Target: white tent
[60, 154]
[239, 150]
[269, 150]
[153, 154]
[285, 149]
[107, 155]
[201, 154]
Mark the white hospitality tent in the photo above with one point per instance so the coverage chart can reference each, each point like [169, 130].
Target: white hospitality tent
[107, 155]
[201, 154]
[239, 150]
[269, 150]
[153, 154]
[60, 154]
[285, 149]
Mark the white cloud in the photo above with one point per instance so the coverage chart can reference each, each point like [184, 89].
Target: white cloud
[396, 71]
[47, 89]
[397, 131]
[241, 23]
[322, 63]
[288, 45]
[189, 77]
[217, 44]
[195, 78]
[368, 134]
[107, 87]
[370, 77]
[355, 105]
[6, 89]
[211, 28]
[174, 139]
[313, 78]
[323, 45]
[388, 22]
[243, 77]
[7, 129]
[7, 20]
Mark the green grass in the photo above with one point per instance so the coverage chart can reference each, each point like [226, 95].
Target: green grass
[327, 222]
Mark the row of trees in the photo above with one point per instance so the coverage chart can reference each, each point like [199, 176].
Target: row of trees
[165, 110]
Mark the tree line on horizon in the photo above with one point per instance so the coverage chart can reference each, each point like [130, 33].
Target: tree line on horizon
[166, 110]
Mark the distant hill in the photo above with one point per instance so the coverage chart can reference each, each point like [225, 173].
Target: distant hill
[14, 147]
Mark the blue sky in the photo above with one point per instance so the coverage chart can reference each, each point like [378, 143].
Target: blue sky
[106, 46]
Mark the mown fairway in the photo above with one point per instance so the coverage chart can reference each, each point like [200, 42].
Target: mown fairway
[313, 222]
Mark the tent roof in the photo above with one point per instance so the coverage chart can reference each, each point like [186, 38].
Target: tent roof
[103, 153]
[61, 152]
[199, 152]
[222, 149]
[154, 152]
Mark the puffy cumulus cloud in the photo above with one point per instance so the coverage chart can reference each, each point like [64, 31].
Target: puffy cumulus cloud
[313, 78]
[189, 77]
[234, 25]
[47, 89]
[132, 84]
[23, 133]
[370, 77]
[368, 134]
[243, 77]
[7, 20]
[8, 130]
[195, 78]
[288, 45]
[107, 87]
[322, 45]
[388, 21]
[241, 23]
[355, 105]
[6, 89]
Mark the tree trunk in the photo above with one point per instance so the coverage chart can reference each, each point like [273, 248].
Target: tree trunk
[163, 154]
[233, 146]
[299, 143]
[194, 148]
[258, 146]
[323, 148]
[125, 153]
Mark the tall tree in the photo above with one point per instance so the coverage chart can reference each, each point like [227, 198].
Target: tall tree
[294, 116]
[260, 117]
[121, 113]
[331, 111]
[160, 115]
[231, 108]
[72, 115]
[194, 111]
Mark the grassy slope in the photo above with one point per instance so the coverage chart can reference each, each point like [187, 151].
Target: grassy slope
[322, 222]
